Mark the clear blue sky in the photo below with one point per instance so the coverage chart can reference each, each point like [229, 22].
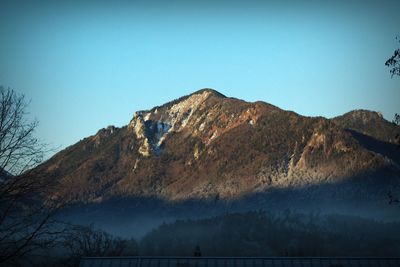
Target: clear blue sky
[89, 64]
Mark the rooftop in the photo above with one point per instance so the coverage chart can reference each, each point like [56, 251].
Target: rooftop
[237, 262]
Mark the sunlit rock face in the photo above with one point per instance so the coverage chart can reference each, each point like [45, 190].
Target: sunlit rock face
[208, 146]
[152, 127]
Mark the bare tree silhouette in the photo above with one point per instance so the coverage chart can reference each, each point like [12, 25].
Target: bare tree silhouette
[26, 220]
[86, 241]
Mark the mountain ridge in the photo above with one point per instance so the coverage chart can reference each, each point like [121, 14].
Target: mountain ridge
[207, 145]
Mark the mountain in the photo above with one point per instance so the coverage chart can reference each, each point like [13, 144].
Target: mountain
[209, 146]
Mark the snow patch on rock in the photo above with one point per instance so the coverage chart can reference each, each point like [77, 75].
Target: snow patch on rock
[214, 135]
[153, 133]
[201, 127]
[147, 116]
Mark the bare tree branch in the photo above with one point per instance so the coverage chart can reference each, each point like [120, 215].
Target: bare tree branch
[26, 216]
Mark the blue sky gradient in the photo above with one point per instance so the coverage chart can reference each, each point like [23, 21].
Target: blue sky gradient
[89, 64]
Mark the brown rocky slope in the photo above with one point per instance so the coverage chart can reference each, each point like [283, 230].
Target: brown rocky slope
[206, 146]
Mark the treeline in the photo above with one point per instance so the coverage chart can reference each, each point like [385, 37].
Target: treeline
[266, 234]
[238, 234]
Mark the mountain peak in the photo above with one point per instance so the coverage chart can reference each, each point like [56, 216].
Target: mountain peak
[209, 90]
[364, 114]
[153, 126]
[370, 123]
